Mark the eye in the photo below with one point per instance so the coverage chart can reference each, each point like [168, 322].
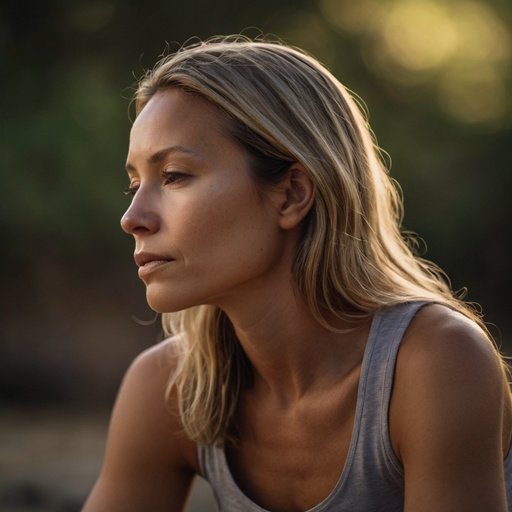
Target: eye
[131, 189]
[174, 177]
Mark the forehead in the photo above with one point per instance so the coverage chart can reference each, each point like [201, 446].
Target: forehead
[178, 117]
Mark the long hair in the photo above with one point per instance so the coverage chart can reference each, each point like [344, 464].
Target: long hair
[283, 106]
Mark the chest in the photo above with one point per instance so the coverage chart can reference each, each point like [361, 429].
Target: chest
[291, 461]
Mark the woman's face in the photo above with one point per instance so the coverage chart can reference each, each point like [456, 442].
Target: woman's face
[203, 234]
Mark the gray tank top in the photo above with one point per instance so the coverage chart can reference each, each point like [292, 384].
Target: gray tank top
[372, 479]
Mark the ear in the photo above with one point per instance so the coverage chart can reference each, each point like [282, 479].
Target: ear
[296, 198]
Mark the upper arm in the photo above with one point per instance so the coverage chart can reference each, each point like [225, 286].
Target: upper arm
[448, 413]
[149, 463]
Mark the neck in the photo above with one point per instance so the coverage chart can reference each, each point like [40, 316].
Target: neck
[292, 354]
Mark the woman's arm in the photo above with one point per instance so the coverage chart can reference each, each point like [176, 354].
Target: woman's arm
[450, 416]
[149, 463]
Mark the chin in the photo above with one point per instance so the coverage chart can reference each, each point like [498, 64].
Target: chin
[159, 305]
[165, 302]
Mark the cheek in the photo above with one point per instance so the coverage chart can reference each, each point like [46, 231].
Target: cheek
[223, 242]
[234, 230]
[248, 253]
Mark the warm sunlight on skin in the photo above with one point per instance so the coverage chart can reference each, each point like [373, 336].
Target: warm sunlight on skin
[188, 178]
[296, 382]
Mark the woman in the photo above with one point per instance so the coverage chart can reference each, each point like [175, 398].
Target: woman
[316, 363]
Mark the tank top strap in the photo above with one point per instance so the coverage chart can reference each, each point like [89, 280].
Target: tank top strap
[373, 453]
[372, 477]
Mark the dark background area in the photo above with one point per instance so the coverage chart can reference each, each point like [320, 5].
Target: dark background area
[435, 76]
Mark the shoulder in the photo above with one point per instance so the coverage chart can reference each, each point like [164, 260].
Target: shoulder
[148, 376]
[149, 461]
[158, 363]
[449, 365]
[443, 345]
[450, 414]
[444, 338]
[145, 406]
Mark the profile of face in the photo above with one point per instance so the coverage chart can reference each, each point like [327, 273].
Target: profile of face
[204, 234]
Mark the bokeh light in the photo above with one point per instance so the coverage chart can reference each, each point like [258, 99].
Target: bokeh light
[435, 74]
[462, 49]
[418, 36]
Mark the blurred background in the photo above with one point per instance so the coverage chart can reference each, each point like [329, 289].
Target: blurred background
[435, 76]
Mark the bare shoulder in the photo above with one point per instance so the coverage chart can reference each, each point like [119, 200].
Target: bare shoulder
[441, 337]
[148, 376]
[144, 401]
[149, 461]
[442, 345]
[448, 352]
[445, 352]
[450, 413]
[154, 366]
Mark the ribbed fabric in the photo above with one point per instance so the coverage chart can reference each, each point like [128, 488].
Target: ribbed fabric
[372, 478]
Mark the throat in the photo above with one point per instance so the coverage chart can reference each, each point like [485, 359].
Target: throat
[308, 364]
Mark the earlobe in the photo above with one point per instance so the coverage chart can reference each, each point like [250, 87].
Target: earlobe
[299, 193]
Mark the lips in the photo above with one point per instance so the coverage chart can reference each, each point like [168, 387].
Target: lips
[144, 258]
[149, 262]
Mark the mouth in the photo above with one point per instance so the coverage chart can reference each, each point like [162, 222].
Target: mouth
[149, 262]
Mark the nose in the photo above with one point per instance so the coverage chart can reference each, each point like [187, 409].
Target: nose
[139, 219]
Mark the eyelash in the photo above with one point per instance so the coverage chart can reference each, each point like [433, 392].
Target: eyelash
[169, 177]
[130, 191]
[174, 176]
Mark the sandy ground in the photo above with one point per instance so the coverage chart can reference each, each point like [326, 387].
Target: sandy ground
[49, 459]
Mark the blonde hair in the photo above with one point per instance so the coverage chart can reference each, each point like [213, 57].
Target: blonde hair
[283, 106]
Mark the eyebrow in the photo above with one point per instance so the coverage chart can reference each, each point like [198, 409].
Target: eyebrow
[157, 157]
